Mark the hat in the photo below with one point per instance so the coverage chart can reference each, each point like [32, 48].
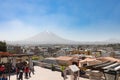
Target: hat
[21, 71]
[3, 66]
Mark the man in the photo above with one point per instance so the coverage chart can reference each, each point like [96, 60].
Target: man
[21, 75]
[17, 71]
[63, 72]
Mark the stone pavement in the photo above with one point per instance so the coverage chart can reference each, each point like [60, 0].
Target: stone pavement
[45, 74]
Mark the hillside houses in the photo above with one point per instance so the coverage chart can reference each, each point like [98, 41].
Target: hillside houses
[67, 50]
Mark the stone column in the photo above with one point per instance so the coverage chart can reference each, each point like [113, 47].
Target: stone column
[0, 59]
[30, 62]
[14, 61]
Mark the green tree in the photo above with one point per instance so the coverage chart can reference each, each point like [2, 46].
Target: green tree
[3, 46]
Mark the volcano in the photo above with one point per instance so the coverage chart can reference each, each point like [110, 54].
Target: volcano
[48, 38]
[51, 38]
[45, 38]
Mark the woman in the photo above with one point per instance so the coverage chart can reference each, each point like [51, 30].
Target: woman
[26, 70]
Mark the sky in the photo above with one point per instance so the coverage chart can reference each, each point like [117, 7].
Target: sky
[79, 20]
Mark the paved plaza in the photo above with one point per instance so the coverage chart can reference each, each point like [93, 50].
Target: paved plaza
[45, 74]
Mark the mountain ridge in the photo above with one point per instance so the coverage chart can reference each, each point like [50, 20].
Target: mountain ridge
[46, 38]
[51, 38]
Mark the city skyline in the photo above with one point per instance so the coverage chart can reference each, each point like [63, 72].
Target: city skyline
[78, 20]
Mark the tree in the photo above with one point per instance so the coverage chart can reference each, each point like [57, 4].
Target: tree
[3, 46]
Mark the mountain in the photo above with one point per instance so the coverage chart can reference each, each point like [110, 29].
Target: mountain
[45, 38]
[48, 38]
[51, 38]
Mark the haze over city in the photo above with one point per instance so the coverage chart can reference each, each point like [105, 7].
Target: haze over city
[78, 20]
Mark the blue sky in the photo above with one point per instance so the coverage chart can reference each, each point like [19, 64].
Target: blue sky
[80, 20]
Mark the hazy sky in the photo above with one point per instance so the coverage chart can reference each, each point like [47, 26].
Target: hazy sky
[80, 20]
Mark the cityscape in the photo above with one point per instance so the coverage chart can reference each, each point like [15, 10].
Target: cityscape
[59, 40]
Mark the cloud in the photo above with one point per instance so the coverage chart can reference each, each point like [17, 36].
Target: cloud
[16, 30]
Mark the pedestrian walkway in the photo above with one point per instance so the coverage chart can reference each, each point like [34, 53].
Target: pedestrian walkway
[45, 74]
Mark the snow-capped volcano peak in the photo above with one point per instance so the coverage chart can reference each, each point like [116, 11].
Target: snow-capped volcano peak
[47, 32]
[47, 37]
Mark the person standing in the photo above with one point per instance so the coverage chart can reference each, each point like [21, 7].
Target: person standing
[21, 70]
[63, 72]
[26, 70]
[75, 76]
[63, 75]
[32, 70]
[29, 72]
[2, 69]
[17, 72]
[21, 75]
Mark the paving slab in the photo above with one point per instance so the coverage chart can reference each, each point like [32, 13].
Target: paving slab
[45, 74]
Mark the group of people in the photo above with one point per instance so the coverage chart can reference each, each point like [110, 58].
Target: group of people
[2, 73]
[24, 69]
[20, 69]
